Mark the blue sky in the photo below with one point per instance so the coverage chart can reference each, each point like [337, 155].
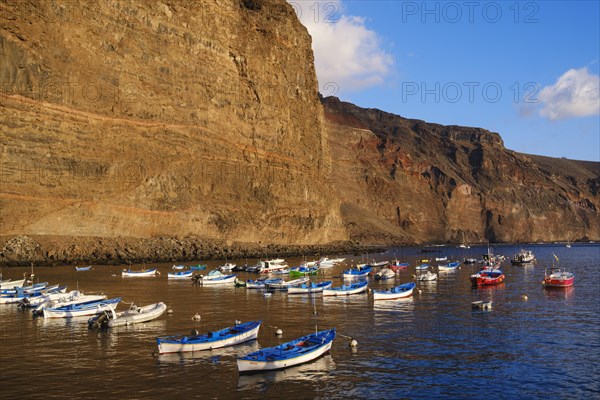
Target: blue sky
[527, 70]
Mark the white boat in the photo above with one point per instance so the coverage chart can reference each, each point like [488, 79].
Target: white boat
[325, 262]
[214, 277]
[427, 276]
[231, 336]
[452, 266]
[8, 284]
[298, 351]
[227, 267]
[143, 273]
[283, 285]
[385, 274]
[338, 260]
[81, 310]
[48, 298]
[268, 266]
[180, 275]
[25, 289]
[20, 296]
[134, 315]
[441, 258]
[344, 290]
[178, 267]
[379, 264]
[523, 257]
[308, 288]
[69, 299]
[310, 263]
[397, 292]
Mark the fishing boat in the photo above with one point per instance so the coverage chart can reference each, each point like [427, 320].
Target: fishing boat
[523, 257]
[558, 277]
[48, 298]
[231, 336]
[309, 287]
[358, 272]
[281, 272]
[20, 296]
[385, 274]
[298, 351]
[81, 310]
[214, 277]
[396, 292]
[144, 273]
[25, 289]
[422, 267]
[268, 266]
[302, 271]
[83, 268]
[344, 290]
[256, 283]
[8, 284]
[397, 265]
[428, 276]
[227, 267]
[68, 299]
[135, 314]
[452, 266]
[487, 277]
[379, 264]
[180, 274]
[280, 284]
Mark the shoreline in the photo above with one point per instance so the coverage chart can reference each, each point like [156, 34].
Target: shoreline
[41, 250]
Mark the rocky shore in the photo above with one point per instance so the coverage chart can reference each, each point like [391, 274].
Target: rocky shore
[59, 250]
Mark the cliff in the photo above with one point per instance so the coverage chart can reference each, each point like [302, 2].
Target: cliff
[411, 181]
[148, 119]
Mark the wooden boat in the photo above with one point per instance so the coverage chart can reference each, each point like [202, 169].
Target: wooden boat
[344, 290]
[385, 274]
[397, 265]
[453, 266]
[298, 351]
[83, 268]
[396, 292]
[280, 284]
[268, 266]
[69, 299]
[139, 274]
[427, 276]
[180, 275]
[135, 314]
[487, 277]
[211, 340]
[8, 284]
[81, 310]
[214, 277]
[558, 277]
[523, 257]
[307, 288]
[303, 271]
[227, 267]
[358, 272]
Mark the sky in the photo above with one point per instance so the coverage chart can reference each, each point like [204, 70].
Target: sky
[527, 70]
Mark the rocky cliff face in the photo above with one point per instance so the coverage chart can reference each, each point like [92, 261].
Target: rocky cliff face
[411, 181]
[144, 119]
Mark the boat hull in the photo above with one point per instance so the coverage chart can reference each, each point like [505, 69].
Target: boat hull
[250, 365]
[178, 347]
[143, 314]
[218, 281]
[82, 312]
[139, 274]
[558, 283]
[343, 292]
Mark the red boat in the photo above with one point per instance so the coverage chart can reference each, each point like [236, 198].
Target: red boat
[397, 266]
[558, 277]
[487, 277]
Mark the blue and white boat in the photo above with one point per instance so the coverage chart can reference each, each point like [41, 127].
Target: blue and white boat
[452, 266]
[358, 272]
[25, 289]
[198, 267]
[20, 296]
[422, 267]
[309, 287]
[147, 272]
[280, 284]
[81, 310]
[180, 275]
[344, 290]
[394, 293]
[178, 267]
[83, 268]
[214, 277]
[9, 284]
[231, 336]
[298, 351]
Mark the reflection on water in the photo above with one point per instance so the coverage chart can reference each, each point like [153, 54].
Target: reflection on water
[433, 339]
[318, 369]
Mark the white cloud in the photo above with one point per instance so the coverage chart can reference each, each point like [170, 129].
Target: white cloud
[346, 51]
[575, 94]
